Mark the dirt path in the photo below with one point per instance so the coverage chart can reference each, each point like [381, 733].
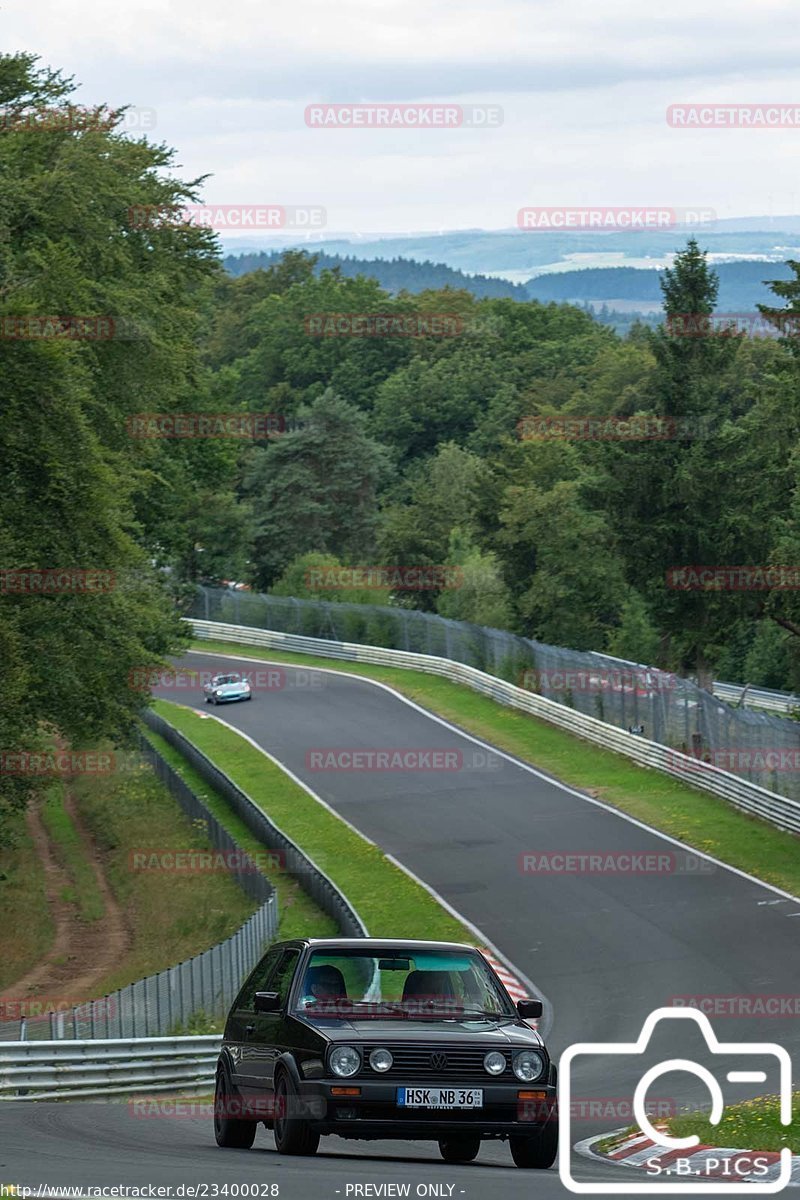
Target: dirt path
[83, 952]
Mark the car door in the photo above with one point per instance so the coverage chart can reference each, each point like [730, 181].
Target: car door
[241, 1021]
[268, 1038]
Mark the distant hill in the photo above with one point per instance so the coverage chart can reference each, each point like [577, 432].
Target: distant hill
[741, 285]
[394, 275]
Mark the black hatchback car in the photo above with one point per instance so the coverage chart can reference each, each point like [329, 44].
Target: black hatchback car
[374, 1039]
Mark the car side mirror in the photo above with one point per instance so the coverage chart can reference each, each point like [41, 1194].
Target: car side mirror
[267, 1002]
[529, 1008]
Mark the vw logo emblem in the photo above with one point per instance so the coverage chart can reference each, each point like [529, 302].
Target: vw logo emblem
[438, 1060]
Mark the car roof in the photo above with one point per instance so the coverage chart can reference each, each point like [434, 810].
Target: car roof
[372, 943]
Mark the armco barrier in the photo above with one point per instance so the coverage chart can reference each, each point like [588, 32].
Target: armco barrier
[755, 697]
[313, 880]
[162, 1003]
[753, 742]
[777, 810]
[71, 1070]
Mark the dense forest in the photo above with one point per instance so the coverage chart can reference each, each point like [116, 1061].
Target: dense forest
[393, 274]
[393, 450]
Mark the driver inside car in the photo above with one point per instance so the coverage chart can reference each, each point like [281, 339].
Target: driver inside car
[323, 985]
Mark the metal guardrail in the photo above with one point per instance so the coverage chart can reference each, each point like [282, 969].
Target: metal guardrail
[294, 861]
[207, 983]
[755, 743]
[780, 811]
[754, 697]
[70, 1070]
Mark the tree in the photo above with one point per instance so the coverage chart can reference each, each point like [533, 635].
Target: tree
[479, 593]
[72, 476]
[636, 637]
[315, 489]
[574, 588]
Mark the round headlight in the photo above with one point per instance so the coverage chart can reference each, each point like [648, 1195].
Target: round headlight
[495, 1062]
[380, 1060]
[344, 1061]
[528, 1065]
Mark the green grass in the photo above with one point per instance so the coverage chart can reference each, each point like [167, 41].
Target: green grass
[752, 1125]
[299, 915]
[171, 916]
[26, 930]
[389, 902]
[83, 891]
[688, 814]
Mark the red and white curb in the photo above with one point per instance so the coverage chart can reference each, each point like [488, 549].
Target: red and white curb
[702, 1162]
[515, 988]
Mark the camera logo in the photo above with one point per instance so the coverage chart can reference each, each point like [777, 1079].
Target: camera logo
[661, 1139]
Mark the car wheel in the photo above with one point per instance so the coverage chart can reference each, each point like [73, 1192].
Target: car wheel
[231, 1133]
[461, 1148]
[292, 1134]
[539, 1151]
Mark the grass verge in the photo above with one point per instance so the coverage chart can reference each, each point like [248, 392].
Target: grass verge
[389, 902]
[171, 916]
[685, 813]
[752, 1125]
[299, 915]
[26, 930]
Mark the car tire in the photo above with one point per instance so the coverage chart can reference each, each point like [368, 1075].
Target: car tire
[461, 1148]
[538, 1152]
[230, 1132]
[292, 1134]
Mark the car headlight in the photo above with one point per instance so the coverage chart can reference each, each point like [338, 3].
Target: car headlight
[380, 1060]
[528, 1065]
[495, 1062]
[345, 1061]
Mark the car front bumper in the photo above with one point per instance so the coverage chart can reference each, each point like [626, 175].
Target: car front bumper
[375, 1113]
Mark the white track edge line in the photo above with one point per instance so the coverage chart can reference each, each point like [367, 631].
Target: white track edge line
[565, 787]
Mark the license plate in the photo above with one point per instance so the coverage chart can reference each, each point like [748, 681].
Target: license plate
[439, 1097]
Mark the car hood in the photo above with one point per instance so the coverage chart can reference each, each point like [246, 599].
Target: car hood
[374, 1029]
[231, 687]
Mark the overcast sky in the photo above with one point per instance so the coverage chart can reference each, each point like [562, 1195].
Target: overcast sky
[583, 85]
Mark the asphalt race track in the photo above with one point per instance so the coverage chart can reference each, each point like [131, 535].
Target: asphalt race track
[604, 948]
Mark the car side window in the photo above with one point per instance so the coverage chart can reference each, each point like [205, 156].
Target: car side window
[281, 981]
[259, 979]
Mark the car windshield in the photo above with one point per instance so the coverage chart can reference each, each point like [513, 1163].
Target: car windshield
[404, 984]
[220, 679]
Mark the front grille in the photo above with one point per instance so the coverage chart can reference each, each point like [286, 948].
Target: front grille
[423, 1062]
